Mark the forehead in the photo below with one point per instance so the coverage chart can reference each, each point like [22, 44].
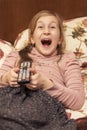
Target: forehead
[47, 19]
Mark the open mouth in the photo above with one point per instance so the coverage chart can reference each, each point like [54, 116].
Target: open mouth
[46, 42]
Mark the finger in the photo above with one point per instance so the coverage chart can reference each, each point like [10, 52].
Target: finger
[33, 70]
[32, 87]
[13, 84]
[16, 70]
[13, 78]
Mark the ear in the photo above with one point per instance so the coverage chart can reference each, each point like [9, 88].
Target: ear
[32, 40]
[60, 40]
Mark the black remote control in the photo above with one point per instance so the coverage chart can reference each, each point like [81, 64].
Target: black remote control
[24, 73]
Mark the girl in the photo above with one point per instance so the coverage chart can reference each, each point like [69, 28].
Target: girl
[55, 77]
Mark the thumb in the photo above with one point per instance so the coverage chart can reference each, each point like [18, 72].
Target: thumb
[33, 70]
[16, 69]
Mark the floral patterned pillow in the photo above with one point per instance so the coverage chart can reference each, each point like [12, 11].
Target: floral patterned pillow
[75, 31]
[76, 38]
[5, 49]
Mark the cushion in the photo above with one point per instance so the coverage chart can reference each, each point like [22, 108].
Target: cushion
[5, 49]
[21, 40]
[75, 32]
[76, 38]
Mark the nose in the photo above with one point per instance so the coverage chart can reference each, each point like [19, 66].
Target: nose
[46, 31]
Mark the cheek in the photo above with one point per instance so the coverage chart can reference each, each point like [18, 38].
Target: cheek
[56, 33]
[57, 36]
[36, 35]
[36, 41]
[35, 38]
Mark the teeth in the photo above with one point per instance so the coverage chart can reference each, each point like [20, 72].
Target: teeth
[46, 42]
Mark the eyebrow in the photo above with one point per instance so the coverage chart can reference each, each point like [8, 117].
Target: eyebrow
[42, 22]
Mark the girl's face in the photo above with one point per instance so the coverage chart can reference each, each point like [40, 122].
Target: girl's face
[46, 36]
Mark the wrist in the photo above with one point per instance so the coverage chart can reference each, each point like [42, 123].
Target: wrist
[4, 79]
[47, 84]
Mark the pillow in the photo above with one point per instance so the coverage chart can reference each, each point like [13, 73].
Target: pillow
[22, 40]
[75, 31]
[5, 49]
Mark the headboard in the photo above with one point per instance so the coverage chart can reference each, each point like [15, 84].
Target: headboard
[16, 14]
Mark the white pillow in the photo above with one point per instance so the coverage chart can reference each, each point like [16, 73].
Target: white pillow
[22, 40]
[5, 49]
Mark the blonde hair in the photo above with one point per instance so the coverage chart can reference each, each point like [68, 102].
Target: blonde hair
[60, 49]
[33, 23]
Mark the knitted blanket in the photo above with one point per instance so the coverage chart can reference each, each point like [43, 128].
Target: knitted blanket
[24, 109]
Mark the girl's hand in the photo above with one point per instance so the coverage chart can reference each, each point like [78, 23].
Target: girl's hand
[10, 77]
[39, 81]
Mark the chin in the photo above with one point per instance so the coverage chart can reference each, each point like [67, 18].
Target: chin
[46, 54]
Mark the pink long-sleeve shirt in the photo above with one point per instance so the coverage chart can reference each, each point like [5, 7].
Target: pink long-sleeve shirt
[65, 74]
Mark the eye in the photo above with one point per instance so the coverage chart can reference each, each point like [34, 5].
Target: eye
[40, 26]
[53, 27]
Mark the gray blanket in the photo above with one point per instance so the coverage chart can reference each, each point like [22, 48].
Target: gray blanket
[24, 109]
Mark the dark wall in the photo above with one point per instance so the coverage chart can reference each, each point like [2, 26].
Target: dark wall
[16, 14]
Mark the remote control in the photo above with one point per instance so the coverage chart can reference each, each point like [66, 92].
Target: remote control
[24, 73]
